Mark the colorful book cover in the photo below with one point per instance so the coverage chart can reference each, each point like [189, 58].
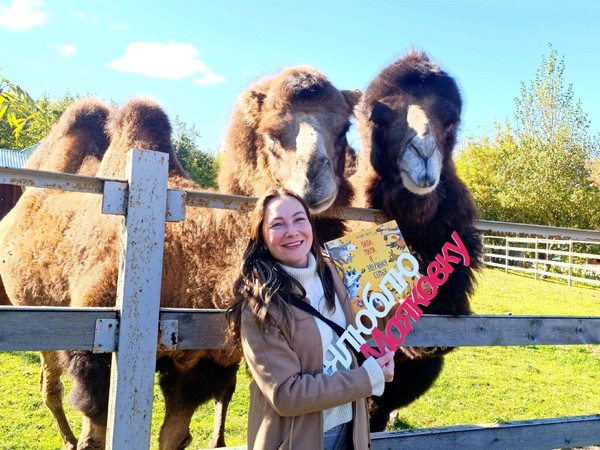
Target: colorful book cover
[366, 256]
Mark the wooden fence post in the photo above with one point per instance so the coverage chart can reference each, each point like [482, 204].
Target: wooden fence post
[138, 298]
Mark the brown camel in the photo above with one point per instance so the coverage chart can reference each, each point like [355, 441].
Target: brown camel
[408, 118]
[79, 274]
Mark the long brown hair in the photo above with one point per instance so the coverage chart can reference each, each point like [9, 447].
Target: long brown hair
[262, 281]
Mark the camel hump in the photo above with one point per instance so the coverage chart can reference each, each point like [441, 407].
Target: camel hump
[140, 124]
[77, 142]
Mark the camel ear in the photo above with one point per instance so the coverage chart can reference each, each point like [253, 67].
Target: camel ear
[352, 97]
[381, 114]
[251, 102]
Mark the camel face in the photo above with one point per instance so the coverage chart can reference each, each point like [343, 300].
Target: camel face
[420, 161]
[303, 154]
[408, 119]
[290, 131]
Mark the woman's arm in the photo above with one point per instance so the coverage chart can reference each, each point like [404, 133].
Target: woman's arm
[277, 370]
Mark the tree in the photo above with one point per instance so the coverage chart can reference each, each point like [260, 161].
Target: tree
[594, 167]
[539, 171]
[25, 121]
[202, 167]
[16, 107]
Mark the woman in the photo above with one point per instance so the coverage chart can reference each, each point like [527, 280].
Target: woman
[293, 404]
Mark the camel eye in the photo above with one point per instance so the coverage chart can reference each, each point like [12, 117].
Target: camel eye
[270, 142]
[381, 114]
[342, 136]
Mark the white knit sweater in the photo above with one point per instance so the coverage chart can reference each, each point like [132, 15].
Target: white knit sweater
[314, 293]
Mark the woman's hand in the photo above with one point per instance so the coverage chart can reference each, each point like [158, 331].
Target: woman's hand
[386, 362]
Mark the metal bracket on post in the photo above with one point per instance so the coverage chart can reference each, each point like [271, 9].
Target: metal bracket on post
[114, 201]
[168, 335]
[105, 335]
[175, 205]
[114, 198]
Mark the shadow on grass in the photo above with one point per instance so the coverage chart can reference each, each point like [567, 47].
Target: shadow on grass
[30, 357]
[398, 424]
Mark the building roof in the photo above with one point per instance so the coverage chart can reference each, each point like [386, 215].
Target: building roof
[15, 158]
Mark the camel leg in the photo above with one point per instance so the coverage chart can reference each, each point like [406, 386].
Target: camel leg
[91, 382]
[186, 388]
[221, 405]
[412, 378]
[52, 391]
[93, 435]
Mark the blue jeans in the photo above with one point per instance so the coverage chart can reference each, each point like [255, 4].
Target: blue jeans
[339, 438]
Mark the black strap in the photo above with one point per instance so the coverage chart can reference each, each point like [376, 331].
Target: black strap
[307, 307]
[304, 306]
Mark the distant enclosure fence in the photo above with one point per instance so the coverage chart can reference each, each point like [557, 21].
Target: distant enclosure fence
[134, 328]
[569, 260]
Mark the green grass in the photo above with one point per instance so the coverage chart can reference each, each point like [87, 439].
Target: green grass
[478, 384]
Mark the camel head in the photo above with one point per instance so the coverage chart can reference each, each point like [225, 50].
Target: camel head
[408, 119]
[295, 136]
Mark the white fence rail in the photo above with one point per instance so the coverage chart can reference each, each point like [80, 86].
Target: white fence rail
[569, 260]
[136, 326]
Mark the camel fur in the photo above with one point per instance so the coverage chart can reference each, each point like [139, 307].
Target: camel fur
[408, 118]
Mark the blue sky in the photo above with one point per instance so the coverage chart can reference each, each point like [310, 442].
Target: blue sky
[195, 57]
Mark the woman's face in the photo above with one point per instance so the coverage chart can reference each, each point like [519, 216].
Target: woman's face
[287, 232]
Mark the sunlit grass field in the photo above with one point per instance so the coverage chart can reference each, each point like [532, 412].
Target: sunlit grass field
[478, 384]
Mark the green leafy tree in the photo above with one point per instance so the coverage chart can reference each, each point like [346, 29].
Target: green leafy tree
[202, 167]
[25, 121]
[594, 167]
[539, 171]
[16, 105]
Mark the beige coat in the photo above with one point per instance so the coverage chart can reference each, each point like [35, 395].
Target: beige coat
[289, 391]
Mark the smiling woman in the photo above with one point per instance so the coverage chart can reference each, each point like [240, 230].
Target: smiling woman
[288, 303]
[287, 232]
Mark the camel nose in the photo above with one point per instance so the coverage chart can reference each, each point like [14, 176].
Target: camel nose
[315, 165]
[426, 178]
[424, 146]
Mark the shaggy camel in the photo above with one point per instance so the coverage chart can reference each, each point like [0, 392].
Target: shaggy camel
[192, 277]
[407, 119]
[70, 258]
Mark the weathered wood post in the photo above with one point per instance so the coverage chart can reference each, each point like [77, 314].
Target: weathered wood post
[138, 299]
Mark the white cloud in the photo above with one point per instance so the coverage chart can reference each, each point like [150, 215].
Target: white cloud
[172, 61]
[66, 50]
[119, 26]
[22, 15]
[209, 78]
[78, 15]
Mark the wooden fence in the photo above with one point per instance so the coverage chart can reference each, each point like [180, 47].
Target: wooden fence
[542, 257]
[133, 329]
